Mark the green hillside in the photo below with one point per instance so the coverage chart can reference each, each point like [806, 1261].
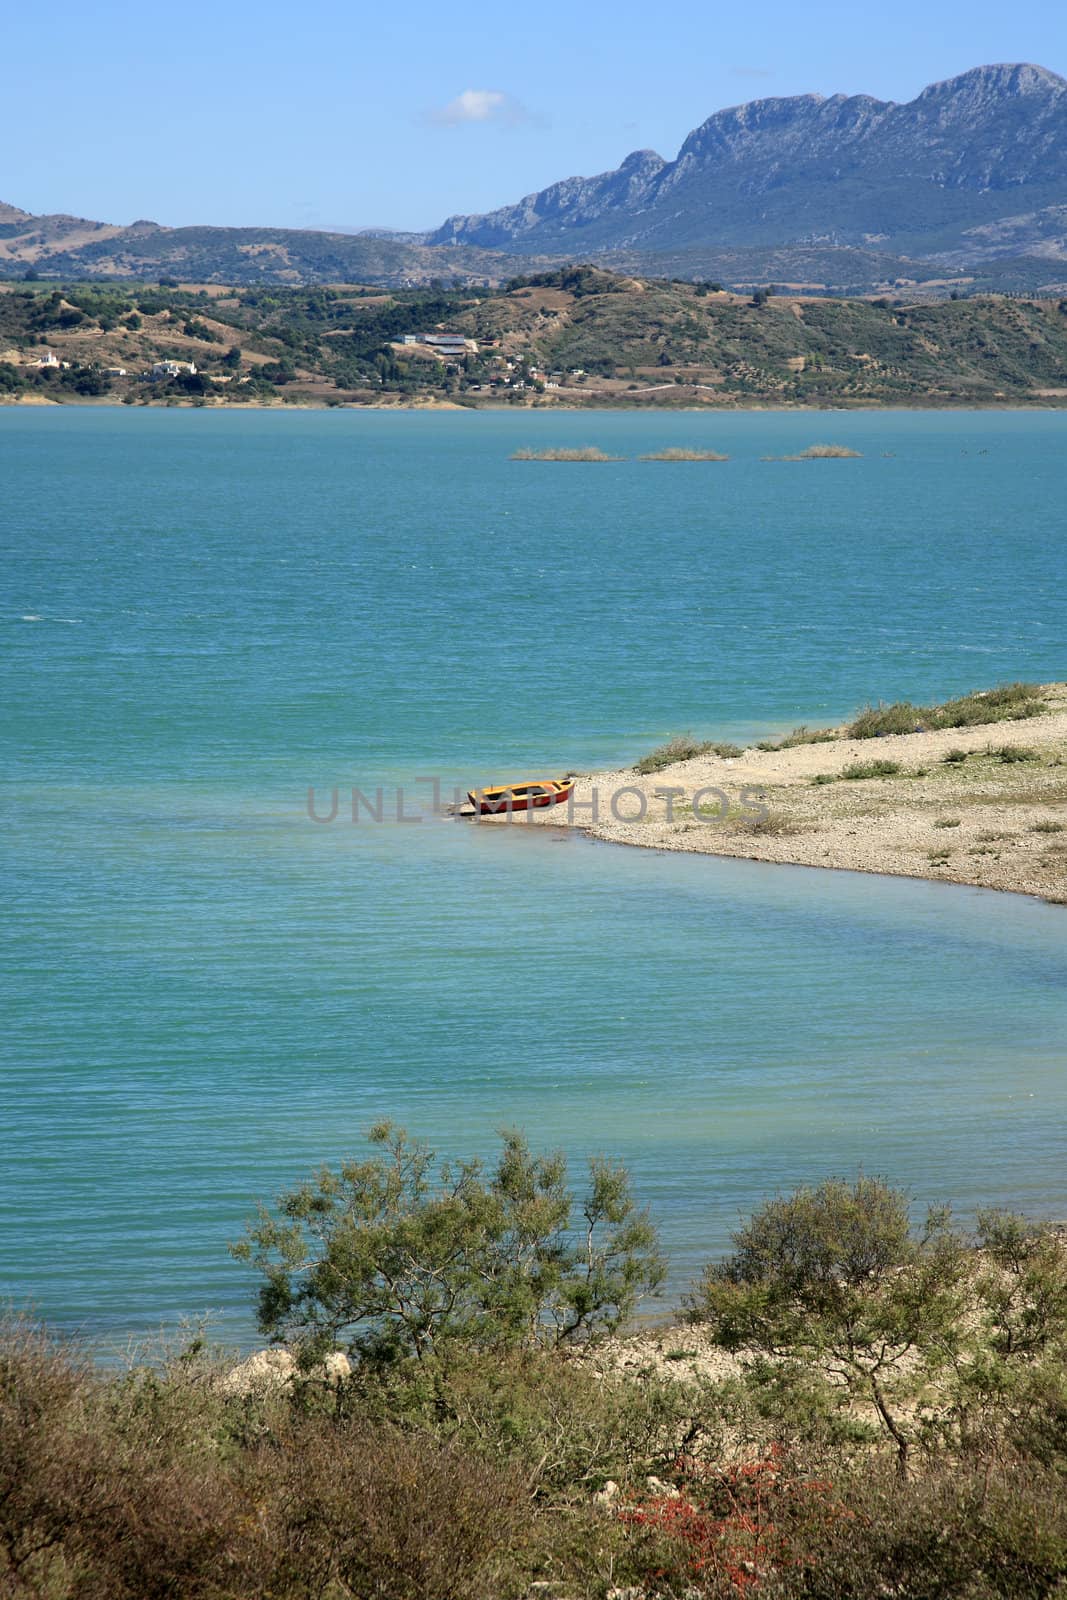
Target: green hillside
[575, 336]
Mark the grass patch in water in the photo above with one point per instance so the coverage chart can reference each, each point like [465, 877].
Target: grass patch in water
[589, 452]
[821, 452]
[678, 454]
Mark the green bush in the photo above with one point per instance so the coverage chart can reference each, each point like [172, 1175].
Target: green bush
[681, 747]
[871, 769]
[1010, 702]
[992, 1531]
[901, 717]
[834, 1280]
[1011, 754]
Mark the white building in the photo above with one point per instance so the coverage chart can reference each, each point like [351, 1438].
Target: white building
[171, 369]
[450, 344]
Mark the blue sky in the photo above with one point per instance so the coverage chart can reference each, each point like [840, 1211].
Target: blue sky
[331, 114]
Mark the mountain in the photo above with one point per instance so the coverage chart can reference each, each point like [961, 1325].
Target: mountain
[972, 169]
[73, 247]
[964, 186]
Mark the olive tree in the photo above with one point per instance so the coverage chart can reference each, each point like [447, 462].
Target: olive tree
[400, 1254]
[833, 1283]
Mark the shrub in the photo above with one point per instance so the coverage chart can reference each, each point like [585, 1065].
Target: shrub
[804, 735]
[1012, 754]
[834, 1280]
[681, 747]
[955, 756]
[403, 1256]
[965, 1531]
[871, 769]
[901, 717]
[372, 1511]
[947, 822]
[729, 1530]
[107, 1494]
[148, 1486]
[1010, 702]
[775, 824]
[1047, 827]
[564, 1423]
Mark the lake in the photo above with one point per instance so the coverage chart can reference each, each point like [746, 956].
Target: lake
[207, 994]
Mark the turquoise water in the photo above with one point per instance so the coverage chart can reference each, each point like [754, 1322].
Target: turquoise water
[206, 994]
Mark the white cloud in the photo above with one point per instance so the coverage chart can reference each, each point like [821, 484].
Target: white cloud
[480, 105]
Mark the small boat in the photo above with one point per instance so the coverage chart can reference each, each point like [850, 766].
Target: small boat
[526, 794]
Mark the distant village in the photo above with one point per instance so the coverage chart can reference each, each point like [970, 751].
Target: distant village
[158, 372]
[504, 371]
[489, 366]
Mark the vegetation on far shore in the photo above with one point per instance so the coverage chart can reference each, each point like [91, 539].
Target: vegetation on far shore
[580, 336]
[886, 1413]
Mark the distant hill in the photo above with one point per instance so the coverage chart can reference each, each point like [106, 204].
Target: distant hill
[973, 169]
[72, 247]
[576, 335]
[965, 186]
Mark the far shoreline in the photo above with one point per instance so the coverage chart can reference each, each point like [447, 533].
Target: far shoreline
[452, 408]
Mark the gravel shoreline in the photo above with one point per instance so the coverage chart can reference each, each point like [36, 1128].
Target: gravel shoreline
[988, 820]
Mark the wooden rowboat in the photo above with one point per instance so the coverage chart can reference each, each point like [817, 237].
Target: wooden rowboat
[525, 794]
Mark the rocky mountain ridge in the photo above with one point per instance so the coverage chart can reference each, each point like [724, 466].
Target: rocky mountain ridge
[985, 148]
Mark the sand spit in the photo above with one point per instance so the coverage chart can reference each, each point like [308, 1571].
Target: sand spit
[997, 818]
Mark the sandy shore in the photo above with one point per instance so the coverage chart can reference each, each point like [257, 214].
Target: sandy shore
[995, 823]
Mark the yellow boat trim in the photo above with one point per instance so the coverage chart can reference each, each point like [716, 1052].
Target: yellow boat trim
[523, 783]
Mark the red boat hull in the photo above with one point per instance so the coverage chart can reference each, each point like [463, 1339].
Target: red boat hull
[502, 806]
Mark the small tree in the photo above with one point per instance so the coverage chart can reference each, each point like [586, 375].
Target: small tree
[400, 1255]
[834, 1279]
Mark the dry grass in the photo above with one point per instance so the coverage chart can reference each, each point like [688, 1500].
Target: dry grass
[773, 825]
